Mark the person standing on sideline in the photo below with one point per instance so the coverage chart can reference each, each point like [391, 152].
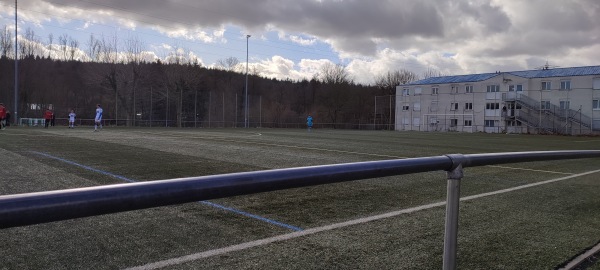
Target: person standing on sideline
[2, 116]
[53, 121]
[98, 119]
[7, 119]
[309, 122]
[72, 119]
[47, 117]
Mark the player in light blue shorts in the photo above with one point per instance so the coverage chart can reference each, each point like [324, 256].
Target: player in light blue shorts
[72, 119]
[98, 119]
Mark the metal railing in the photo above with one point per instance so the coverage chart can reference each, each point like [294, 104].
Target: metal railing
[550, 110]
[40, 207]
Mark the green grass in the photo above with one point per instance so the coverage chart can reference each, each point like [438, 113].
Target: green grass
[534, 228]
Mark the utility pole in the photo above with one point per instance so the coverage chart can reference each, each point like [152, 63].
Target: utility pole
[16, 110]
[246, 94]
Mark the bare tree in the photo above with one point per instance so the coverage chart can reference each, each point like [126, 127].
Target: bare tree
[391, 79]
[133, 55]
[63, 41]
[133, 50]
[334, 74]
[229, 64]
[334, 95]
[29, 43]
[50, 47]
[73, 48]
[181, 56]
[108, 50]
[94, 48]
[181, 79]
[5, 42]
[430, 72]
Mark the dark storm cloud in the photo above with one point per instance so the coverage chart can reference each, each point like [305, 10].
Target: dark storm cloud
[478, 32]
[350, 20]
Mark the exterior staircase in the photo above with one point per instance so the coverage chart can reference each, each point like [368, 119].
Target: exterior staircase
[551, 119]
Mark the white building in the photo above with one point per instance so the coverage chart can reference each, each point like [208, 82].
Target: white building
[549, 100]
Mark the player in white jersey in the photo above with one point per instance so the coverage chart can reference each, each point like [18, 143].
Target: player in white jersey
[72, 119]
[98, 119]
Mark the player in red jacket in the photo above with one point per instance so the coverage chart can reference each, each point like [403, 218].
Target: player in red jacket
[48, 117]
[2, 116]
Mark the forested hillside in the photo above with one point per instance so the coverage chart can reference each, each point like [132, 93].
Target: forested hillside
[139, 93]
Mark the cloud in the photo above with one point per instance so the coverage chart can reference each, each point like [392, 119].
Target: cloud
[279, 67]
[302, 41]
[368, 36]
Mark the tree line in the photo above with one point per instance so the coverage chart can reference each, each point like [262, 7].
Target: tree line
[178, 90]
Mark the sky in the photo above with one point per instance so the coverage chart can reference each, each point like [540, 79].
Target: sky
[294, 39]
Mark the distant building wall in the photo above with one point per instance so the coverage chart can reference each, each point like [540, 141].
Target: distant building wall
[558, 101]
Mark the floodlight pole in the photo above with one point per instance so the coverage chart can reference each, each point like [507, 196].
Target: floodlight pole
[246, 91]
[16, 111]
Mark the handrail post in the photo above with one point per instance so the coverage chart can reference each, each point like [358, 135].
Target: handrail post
[452, 202]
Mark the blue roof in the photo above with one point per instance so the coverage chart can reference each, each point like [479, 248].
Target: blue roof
[529, 74]
[558, 72]
[456, 79]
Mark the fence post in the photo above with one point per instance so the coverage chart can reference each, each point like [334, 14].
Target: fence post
[452, 202]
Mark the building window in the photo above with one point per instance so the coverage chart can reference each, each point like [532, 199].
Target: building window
[468, 106]
[453, 122]
[493, 88]
[469, 89]
[453, 106]
[492, 106]
[417, 106]
[468, 122]
[489, 123]
[405, 107]
[565, 85]
[515, 87]
[417, 91]
[596, 104]
[434, 106]
[546, 85]
[596, 84]
[435, 90]
[454, 89]
[416, 121]
[545, 105]
[564, 104]
[405, 92]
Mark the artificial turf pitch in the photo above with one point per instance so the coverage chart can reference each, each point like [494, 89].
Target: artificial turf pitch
[533, 228]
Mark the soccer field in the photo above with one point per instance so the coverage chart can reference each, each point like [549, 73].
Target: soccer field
[383, 223]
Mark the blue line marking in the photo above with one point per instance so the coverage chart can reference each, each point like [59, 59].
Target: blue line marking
[215, 205]
[294, 228]
[86, 167]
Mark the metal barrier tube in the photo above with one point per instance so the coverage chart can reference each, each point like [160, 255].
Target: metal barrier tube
[34, 208]
[40, 207]
[473, 160]
[452, 211]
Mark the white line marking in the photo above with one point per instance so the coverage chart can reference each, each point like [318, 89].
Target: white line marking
[575, 262]
[532, 170]
[226, 139]
[283, 237]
